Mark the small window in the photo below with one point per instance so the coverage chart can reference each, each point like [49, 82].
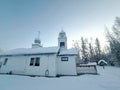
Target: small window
[64, 58]
[37, 62]
[32, 62]
[5, 62]
[62, 44]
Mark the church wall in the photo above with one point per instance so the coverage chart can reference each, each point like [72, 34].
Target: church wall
[46, 68]
[21, 65]
[66, 67]
[14, 64]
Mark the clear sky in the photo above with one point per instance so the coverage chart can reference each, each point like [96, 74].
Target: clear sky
[20, 20]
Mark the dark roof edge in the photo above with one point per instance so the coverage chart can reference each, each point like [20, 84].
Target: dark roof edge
[68, 55]
[27, 54]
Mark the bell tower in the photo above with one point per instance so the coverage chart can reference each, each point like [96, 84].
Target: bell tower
[62, 40]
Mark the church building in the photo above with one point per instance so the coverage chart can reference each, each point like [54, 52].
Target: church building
[39, 60]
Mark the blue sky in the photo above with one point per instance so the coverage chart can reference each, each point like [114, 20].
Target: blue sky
[20, 20]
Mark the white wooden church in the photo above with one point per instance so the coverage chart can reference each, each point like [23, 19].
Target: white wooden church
[40, 61]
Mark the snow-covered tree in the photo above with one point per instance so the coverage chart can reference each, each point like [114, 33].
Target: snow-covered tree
[84, 49]
[91, 52]
[76, 44]
[97, 49]
[114, 40]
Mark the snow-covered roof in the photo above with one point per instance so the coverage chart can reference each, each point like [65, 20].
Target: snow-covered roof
[102, 61]
[92, 63]
[30, 51]
[89, 64]
[72, 51]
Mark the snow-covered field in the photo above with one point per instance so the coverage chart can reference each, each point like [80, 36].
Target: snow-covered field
[108, 79]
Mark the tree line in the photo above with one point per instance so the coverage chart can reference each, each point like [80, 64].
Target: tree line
[90, 50]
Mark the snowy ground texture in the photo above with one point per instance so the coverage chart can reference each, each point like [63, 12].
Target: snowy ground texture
[108, 79]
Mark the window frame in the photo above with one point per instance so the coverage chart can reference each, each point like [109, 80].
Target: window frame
[34, 61]
[5, 61]
[62, 44]
[37, 61]
[64, 58]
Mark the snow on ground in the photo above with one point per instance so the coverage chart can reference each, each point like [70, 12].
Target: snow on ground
[108, 79]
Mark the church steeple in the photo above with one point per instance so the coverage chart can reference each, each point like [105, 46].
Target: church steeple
[62, 40]
[37, 42]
